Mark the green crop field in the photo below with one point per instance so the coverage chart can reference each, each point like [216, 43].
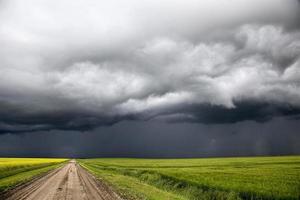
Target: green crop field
[17, 170]
[211, 178]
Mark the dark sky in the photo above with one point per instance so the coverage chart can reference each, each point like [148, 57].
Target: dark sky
[159, 78]
[156, 139]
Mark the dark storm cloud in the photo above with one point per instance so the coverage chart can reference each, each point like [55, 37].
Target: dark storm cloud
[157, 139]
[208, 114]
[80, 65]
[17, 120]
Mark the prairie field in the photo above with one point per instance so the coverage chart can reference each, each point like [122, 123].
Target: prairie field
[207, 178]
[18, 170]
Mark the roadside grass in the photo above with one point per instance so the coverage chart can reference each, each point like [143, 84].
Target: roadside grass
[213, 178]
[17, 170]
[131, 188]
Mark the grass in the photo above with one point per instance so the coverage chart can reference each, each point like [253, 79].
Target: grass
[212, 178]
[17, 170]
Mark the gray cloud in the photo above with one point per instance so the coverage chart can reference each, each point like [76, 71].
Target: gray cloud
[157, 139]
[80, 65]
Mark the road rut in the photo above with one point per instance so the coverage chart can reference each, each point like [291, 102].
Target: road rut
[70, 182]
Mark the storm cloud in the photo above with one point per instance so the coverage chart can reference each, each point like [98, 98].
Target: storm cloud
[78, 65]
[278, 136]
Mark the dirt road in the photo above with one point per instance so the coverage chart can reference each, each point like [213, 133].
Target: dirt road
[68, 182]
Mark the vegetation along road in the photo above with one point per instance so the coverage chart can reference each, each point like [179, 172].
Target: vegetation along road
[205, 178]
[249, 178]
[69, 181]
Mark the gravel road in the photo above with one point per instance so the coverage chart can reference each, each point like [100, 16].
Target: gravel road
[68, 182]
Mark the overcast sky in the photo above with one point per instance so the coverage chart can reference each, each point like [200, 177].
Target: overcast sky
[149, 77]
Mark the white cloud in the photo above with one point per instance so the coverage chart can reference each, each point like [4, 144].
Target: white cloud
[116, 58]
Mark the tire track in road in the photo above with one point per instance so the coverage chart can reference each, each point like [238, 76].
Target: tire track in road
[70, 182]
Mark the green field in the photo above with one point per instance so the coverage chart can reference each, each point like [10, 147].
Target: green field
[212, 178]
[17, 170]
